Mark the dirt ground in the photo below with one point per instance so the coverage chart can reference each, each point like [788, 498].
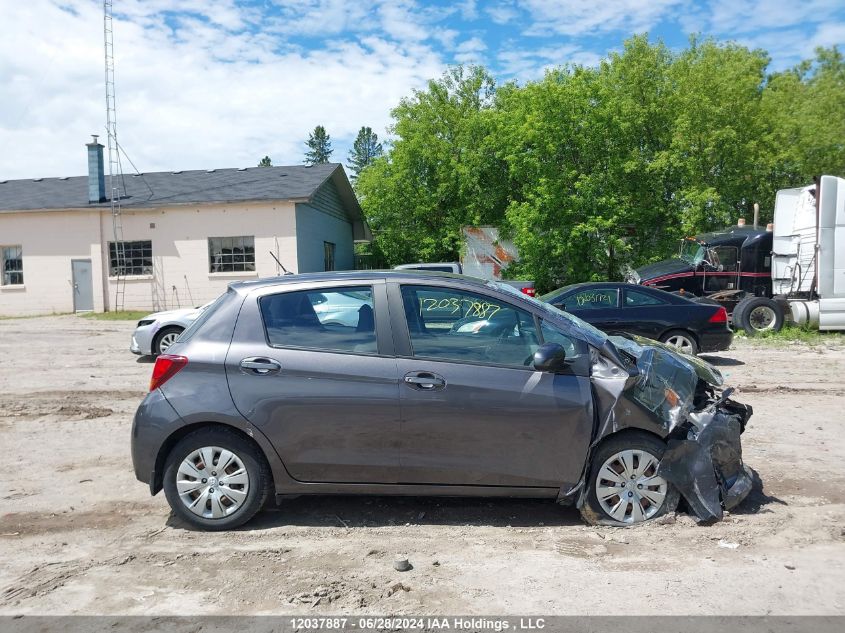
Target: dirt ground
[79, 535]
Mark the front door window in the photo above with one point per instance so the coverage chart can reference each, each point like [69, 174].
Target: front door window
[451, 324]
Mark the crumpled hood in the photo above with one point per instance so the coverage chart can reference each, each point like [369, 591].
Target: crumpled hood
[667, 380]
[665, 267]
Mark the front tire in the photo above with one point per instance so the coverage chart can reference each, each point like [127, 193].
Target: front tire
[165, 338]
[215, 479]
[624, 488]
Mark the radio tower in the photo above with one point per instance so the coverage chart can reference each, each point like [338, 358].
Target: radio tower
[117, 253]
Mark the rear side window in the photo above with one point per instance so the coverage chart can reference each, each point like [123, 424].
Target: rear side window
[208, 311]
[329, 319]
[592, 299]
[634, 298]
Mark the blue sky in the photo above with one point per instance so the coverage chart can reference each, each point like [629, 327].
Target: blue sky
[221, 83]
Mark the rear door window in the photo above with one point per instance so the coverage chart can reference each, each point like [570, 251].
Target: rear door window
[635, 298]
[329, 319]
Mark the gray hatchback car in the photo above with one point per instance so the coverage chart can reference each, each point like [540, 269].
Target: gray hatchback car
[434, 384]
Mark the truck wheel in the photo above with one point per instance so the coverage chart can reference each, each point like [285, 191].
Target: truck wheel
[758, 314]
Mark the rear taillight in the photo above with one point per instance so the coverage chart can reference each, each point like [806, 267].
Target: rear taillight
[529, 291]
[167, 366]
[720, 316]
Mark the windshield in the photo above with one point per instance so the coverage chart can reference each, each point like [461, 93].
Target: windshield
[692, 251]
[594, 337]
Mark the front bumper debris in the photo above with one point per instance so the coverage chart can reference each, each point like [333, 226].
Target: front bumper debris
[678, 398]
[704, 460]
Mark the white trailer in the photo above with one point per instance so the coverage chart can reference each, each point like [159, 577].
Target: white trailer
[808, 253]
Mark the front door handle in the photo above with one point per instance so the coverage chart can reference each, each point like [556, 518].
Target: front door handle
[260, 366]
[424, 380]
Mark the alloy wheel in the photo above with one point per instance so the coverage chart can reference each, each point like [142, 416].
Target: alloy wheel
[167, 340]
[212, 482]
[682, 343]
[628, 487]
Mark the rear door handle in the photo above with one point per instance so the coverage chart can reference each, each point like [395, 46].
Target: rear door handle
[424, 380]
[260, 366]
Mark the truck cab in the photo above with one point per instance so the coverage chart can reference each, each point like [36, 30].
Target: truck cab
[727, 264]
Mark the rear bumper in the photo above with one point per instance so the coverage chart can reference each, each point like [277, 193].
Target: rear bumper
[155, 420]
[715, 340]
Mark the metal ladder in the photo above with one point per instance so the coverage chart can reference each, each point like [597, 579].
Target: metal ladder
[116, 184]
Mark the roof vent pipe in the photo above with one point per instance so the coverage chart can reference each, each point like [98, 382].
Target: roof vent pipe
[756, 214]
[96, 172]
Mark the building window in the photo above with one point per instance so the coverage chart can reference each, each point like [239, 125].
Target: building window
[136, 258]
[231, 254]
[328, 256]
[11, 262]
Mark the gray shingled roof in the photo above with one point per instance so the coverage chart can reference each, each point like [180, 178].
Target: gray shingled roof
[156, 189]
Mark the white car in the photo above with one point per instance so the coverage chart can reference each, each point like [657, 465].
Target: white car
[158, 331]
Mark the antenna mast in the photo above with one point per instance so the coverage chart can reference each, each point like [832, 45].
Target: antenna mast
[117, 251]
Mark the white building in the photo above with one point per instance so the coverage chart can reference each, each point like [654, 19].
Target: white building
[186, 235]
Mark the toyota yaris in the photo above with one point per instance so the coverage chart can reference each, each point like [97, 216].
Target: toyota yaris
[439, 384]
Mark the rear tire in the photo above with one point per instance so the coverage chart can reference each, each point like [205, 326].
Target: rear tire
[653, 495]
[682, 340]
[758, 314]
[215, 479]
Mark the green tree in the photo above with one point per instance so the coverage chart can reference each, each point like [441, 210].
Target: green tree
[591, 170]
[440, 174]
[365, 150]
[265, 162]
[319, 147]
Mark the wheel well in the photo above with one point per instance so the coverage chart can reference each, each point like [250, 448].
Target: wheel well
[178, 434]
[160, 333]
[628, 431]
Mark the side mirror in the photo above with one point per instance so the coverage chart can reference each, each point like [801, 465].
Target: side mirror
[550, 357]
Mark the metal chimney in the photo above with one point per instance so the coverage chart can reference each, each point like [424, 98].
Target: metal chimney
[96, 172]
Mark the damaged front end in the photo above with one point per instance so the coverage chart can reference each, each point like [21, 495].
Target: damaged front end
[642, 384]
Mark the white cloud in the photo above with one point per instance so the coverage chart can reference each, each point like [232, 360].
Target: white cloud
[585, 17]
[532, 64]
[468, 9]
[191, 92]
[787, 47]
[502, 13]
[744, 16]
[470, 51]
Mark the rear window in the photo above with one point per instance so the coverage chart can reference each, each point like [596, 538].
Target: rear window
[329, 319]
[207, 312]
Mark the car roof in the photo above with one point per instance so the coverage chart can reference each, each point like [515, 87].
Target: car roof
[355, 275]
[597, 284]
[615, 285]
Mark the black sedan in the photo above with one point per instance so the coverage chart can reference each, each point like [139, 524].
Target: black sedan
[618, 308]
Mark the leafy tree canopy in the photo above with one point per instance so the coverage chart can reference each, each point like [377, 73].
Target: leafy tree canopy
[593, 169]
